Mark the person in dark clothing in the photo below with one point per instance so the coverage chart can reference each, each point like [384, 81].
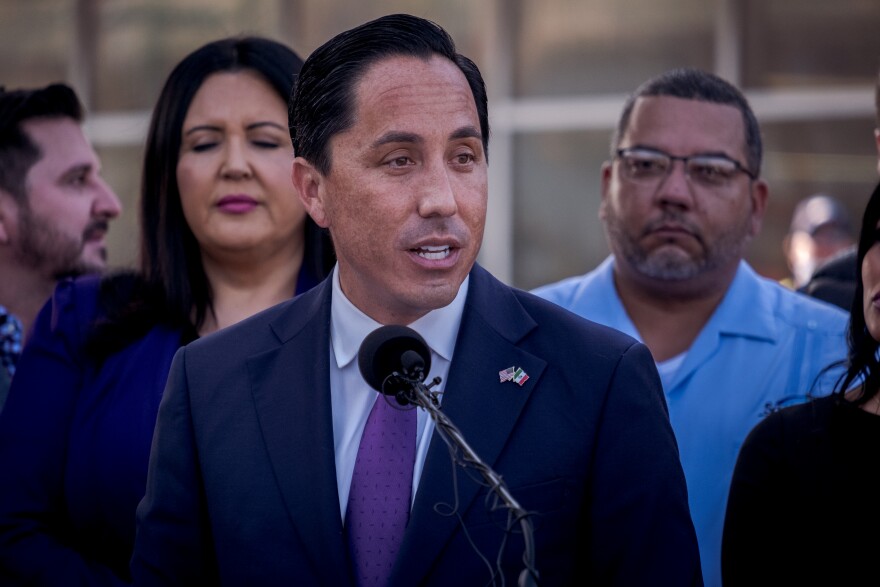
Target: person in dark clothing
[795, 515]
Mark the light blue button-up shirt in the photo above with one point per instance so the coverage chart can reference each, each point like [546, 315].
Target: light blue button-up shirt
[763, 344]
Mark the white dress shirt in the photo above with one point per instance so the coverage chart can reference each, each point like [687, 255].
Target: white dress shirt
[352, 398]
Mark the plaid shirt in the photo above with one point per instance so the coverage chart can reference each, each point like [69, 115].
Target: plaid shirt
[10, 340]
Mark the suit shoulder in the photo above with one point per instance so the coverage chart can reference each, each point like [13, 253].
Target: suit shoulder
[268, 328]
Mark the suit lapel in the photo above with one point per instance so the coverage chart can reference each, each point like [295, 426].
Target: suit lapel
[483, 408]
[291, 391]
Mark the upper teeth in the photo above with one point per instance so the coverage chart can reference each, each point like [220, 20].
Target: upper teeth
[435, 252]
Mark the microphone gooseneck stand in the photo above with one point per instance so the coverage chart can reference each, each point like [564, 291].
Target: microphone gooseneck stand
[407, 387]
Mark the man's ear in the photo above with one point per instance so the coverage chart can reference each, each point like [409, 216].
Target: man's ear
[758, 193]
[309, 185]
[606, 182]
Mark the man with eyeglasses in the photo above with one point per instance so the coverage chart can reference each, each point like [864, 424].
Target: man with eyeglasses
[54, 208]
[681, 199]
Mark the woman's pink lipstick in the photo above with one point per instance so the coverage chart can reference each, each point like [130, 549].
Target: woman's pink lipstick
[237, 204]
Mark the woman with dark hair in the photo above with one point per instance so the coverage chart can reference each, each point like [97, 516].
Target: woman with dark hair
[801, 508]
[223, 236]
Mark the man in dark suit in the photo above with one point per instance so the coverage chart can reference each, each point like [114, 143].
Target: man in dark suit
[258, 458]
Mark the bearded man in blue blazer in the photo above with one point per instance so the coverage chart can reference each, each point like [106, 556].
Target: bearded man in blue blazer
[257, 455]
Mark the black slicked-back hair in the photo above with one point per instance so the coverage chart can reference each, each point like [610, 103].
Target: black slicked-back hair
[695, 84]
[17, 151]
[323, 101]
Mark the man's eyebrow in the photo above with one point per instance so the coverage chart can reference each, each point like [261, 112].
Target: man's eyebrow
[466, 132]
[397, 137]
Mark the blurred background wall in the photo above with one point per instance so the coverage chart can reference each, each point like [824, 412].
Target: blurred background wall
[558, 72]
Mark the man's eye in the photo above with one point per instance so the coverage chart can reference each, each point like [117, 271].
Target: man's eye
[711, 171]
[464, 158]
[647, 165]
[400, 161]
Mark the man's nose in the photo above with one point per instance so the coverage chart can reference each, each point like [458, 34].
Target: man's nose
[675, 188]
[437, 194]
[107, 203]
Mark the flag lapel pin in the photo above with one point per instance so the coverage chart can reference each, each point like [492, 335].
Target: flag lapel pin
[515, 374]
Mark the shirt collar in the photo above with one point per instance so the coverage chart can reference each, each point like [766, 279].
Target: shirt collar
[747, 309]
[11, 340]
[349, 326]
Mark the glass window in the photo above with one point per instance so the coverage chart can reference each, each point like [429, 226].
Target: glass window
[121, 168]
[28, 59]
[557, 179]
[810, 42]
[465, 21]
[568, 47]
[834, 157]
[142, 40]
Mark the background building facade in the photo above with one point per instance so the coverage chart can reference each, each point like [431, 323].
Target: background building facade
[557, 71]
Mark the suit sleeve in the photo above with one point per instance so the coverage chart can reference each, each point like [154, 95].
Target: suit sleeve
[753, 508]
[641, 531]
[173, 541]
[34, 431]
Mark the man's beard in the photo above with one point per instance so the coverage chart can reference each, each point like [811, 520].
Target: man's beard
[672, 263]
[58, 254]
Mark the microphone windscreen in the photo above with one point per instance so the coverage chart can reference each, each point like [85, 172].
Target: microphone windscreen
[381, 353]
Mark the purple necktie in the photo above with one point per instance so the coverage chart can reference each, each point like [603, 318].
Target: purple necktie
[381, 490]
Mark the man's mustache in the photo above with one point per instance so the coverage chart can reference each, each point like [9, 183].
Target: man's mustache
[95, 229]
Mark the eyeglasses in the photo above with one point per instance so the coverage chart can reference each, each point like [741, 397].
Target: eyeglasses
[649, 166]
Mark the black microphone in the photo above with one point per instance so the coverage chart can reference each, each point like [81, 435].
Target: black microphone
[392, 358]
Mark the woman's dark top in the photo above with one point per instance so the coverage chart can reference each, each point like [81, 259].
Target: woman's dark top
[804, 506]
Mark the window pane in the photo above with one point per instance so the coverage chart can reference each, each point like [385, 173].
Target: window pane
[28, 59]
[811, 42]
[835, 157]
[142, 40]
[557, 179]
[599, 46]
[465, 21]
[121, 168]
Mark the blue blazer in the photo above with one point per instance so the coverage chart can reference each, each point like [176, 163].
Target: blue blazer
[242, 482]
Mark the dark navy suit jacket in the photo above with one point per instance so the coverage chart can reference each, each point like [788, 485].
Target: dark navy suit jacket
[242, 482]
